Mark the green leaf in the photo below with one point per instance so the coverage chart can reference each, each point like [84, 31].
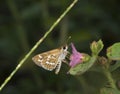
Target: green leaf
[113, 52]
[109, 91]
[96, 47]
[82, 67]
[115, 66]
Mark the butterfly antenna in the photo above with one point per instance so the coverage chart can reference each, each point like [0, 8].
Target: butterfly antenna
[67, 41]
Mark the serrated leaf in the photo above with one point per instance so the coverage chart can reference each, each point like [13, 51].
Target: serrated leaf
[113, 52]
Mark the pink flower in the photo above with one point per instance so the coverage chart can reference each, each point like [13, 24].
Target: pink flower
[76, 56]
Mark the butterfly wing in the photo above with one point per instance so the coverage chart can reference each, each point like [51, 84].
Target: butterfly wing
[48, 60]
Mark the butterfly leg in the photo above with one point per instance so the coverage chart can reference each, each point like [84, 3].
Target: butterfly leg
[65, 61]
[58, 67]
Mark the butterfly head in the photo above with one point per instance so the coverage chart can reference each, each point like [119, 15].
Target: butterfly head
[64, 48]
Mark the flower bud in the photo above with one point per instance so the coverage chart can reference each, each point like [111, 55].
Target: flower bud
[96, 47]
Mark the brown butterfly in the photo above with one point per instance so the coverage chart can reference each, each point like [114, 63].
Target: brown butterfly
[52, 59]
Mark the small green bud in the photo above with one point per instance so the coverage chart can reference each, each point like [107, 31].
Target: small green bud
[96, 47]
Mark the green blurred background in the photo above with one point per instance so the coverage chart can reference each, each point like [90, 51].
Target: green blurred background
[24, 22]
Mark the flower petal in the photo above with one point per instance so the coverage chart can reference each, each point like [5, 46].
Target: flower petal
[76, 56]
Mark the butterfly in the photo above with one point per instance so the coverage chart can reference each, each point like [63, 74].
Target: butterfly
[52, 59]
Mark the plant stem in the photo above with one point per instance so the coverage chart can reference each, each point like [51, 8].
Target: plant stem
[109, 77]
[37, 44]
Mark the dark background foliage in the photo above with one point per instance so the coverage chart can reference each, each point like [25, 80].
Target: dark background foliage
[24, 22]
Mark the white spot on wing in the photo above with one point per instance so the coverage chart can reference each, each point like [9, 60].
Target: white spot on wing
[50, 63]
[40, 56]
[39, 60]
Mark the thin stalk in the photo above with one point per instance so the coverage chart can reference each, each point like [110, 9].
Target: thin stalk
[37, 44]
[109, 75]
[110, 78]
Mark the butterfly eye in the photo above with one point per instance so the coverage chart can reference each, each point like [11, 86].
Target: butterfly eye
[64, 47]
